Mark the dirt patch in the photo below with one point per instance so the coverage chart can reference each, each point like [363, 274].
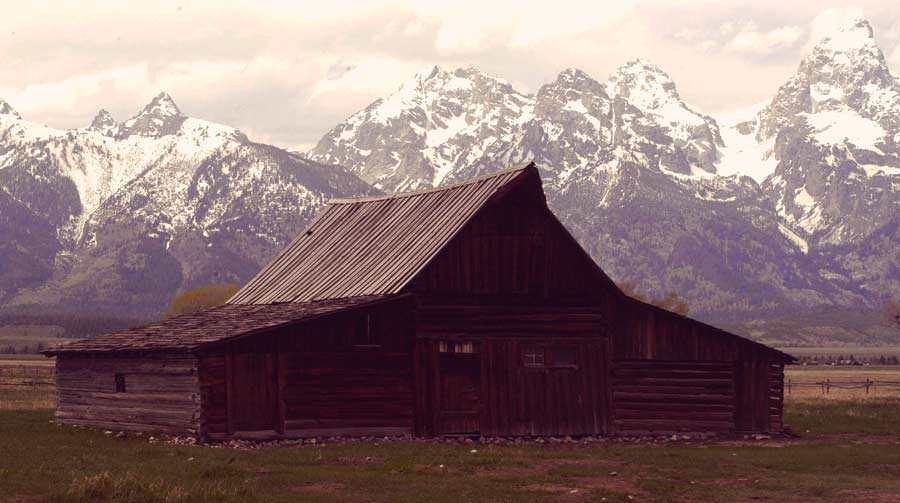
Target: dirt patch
[583, 486]
[613, 484]
[360, 460]
[872, 496]
[435, 469]
[318, 488]
[560, 490]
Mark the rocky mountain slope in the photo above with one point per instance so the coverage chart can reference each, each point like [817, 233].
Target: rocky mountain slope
[791, 209]
[119, 217]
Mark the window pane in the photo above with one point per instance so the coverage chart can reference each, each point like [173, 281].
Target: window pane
[564, 356]
[465, 347]
[533, 357]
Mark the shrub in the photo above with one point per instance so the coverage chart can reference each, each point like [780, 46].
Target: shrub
[200, 298]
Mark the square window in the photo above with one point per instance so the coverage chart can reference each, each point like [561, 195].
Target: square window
[533, 357]
[120, 383]
[442, 347]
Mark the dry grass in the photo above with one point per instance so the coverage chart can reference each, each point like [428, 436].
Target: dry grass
[840, 375]
[23, 385]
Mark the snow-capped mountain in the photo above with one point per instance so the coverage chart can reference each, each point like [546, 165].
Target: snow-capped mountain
[435, 124]
[793, 207]
[836, 126]
[754, 216]
[124, 215]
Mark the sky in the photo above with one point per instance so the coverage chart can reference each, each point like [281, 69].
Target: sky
[285, 72]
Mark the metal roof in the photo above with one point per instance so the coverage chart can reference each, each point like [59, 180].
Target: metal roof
[373, 245]
[220, 323]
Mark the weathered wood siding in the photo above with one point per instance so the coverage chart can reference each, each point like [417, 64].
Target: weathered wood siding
[516, 399]
[661, 396]
[776, 397]
[728, 380]
[161, 392]
[510, 253]
[351, 371]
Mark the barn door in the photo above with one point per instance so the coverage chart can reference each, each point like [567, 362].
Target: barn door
[253, 402]
[460, 388]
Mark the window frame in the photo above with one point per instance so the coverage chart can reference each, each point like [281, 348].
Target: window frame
[119, 381]
[547, 356]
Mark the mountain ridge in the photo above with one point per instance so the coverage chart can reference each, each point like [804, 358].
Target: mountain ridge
[724, 214]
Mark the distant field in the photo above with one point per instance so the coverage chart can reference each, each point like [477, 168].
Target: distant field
[804, 383]
[30, 339]
[844, 350]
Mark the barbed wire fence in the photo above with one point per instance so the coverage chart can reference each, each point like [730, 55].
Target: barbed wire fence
[826, 386]
[27, 375]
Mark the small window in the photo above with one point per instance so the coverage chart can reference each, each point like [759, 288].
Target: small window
[549, 357]
[120, 383]
[366, 337]
[465, 347]
[533, 357]
[563, 357]
[457, 347]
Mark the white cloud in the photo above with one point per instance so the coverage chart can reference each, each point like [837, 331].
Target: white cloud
[750, 39]
[286, 71]
[829, 20]
[894, 58]
[470, 26]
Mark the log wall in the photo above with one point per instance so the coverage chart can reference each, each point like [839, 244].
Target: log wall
[648, 339]
[343, 374]
[161, 392]
[664, 397]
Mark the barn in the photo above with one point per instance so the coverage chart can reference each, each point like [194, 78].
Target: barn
[463, 310]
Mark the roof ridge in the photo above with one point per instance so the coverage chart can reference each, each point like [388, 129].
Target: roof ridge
[441, 188]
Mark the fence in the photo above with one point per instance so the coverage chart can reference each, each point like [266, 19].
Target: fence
[827, 385]
[27, 375]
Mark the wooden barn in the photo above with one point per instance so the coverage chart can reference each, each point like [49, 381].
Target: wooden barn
[462, 310]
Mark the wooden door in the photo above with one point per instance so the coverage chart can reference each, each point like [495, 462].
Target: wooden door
[253, 402]
[459, 407]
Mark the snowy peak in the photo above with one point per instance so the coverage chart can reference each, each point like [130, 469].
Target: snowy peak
[576, 78]
[6, 109]
[105, 124]
[159, 118]
[643, 84]
[573, 91]
[162, 105]
[854, 40]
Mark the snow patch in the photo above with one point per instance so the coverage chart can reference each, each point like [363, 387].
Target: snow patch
[794, 238]
[743, 155]
[835, 127]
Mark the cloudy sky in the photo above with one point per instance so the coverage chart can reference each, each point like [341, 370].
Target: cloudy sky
[286, 72]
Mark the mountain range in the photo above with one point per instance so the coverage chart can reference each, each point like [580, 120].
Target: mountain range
[792, 209]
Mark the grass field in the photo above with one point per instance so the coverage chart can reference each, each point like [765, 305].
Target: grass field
[847, 450]
[795, 375]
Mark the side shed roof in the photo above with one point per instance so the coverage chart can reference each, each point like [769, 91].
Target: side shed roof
[193, 330]
[375, 245]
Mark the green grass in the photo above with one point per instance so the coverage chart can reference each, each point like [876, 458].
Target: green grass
[41, 461]
[870, 417]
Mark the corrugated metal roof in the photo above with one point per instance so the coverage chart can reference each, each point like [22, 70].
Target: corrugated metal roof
[371, 246]
[190, 331]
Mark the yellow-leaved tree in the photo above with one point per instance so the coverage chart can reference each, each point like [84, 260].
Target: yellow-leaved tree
[200, 298]
[671, 302]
